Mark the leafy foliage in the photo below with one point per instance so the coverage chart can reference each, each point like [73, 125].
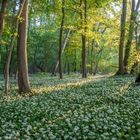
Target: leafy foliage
[73, 108]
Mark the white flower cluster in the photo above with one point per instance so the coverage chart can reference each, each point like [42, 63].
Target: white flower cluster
[108, 109]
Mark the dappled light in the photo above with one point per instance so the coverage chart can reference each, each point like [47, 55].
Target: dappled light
[87, 109]
[53, 84]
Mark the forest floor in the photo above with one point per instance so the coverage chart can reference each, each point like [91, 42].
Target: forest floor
[100, 107]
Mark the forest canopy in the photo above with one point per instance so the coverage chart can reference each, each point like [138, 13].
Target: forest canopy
[85, 36]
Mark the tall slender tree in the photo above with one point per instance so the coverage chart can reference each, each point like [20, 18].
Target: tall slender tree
[84, 26]
[23, 80]
[11, 47]
[2, 13]
[137, 37]
[122, 37]
[61, 39]
[130, 37]
[63, 48]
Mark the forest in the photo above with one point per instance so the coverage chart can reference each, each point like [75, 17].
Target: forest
[69, 70]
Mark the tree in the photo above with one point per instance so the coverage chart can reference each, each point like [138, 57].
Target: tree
[7, 65]
[23, 81]
[61, 39]
[130, 37]
[122, 37]
[84, 24]
[137, 37]
[62, 50]
[2, 13]
[137, 78]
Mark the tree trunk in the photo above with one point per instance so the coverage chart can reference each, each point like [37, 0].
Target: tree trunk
[138, 79]
[65, 67]
[23, 81]
[7, 65]
[138, 44]
[137, 38]
[95, 69]
[130, 38]
[84, 69]
[61, 39]
[91, 57]
[135, 65]
[134, 68]
[97, 62]
[75, 60]
[63, 48]
[2, 13]
[68, 68]
[88, 55]
[122, 37]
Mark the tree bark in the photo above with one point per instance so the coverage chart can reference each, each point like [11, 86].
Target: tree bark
[97, 62]
[2, 13]
[63, 48]
[84, 23]
[130, 38]
[135, 65]
[61, 39]
[23, 80]
[75, 60]
[137, 38]
[68, 68]
[7, 66]
[65, 67]
[138, 79]
[122, 37]
[91, 57]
